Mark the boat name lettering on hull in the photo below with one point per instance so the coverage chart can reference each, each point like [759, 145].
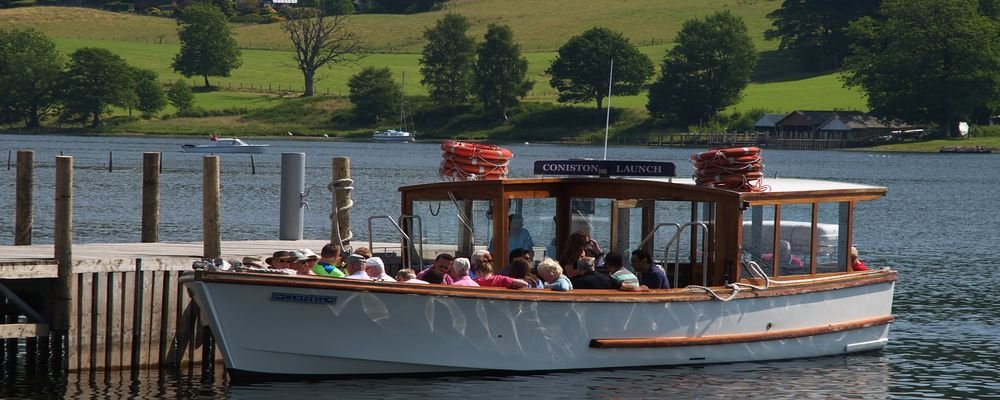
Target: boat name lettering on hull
[303, 298]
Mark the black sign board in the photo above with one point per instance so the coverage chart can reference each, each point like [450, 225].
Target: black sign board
[605, 168]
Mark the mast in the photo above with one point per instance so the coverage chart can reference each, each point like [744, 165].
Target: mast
[607, 119]
[402, 98]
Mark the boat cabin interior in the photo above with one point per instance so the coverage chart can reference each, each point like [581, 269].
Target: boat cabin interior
[700, 235]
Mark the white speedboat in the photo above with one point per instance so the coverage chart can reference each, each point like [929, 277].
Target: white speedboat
[392, 135]
[727, 304]
[225, 145]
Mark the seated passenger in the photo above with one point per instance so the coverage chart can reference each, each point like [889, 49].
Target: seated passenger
[856, 263]
[517, 236]
[550, 272]
[279, 260]
[356, 268]
[407, 275]
[376, 270]
[443, 263]
[329, 263]
[616, 267]
[460, 273]
[477, 258]
[311, 260]
[521, 269]
[653, 275]
[788, 264]
[299, 262]
[434, 276]
[515, 254]
[579, 244]
[364, 252]
[589, 278]
[253, 262]
[485, 277]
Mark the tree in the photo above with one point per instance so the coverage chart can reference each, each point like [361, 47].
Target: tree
[500, 76]
[150, 98]
[321, 40]
[30, 68]
[180, 96]
[447, 60]
[926, 61]
[706, 71]
[208, 47]
[95, 80]
[373, 92]
[815, 31]
[580, 70]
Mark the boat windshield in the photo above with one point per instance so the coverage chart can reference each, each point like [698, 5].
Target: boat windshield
[784, 240]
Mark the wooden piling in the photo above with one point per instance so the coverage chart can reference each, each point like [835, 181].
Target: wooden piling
[25, 195]
[150, 197]
[63, 235]
[211, 208]
[340, 227]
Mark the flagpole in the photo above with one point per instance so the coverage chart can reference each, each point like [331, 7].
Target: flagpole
[607, 120]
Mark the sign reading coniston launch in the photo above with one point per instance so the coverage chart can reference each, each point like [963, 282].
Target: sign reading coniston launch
[605, 168]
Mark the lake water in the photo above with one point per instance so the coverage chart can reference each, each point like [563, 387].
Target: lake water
[937, 227]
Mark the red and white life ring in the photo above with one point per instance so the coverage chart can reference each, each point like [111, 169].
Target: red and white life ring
[487, 152]
[726, 152]
[468, 172]
[736, 168]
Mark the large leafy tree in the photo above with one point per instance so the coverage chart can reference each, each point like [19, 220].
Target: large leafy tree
[500, 75]
[926, 61]
[580, 71]
[373, 92]
[815, 31]
[149, 95]
[30, 68]
[321, 40]
[208, 47]
[446, 63]
[706, 71]
[95, 80]
[179, 95]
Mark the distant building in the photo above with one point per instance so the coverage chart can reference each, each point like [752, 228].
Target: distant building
[825, 129]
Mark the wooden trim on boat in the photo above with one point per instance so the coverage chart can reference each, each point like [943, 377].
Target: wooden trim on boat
[845, 280]
[632, 343]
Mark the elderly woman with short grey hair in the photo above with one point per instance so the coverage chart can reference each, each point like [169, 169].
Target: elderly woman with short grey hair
[460, 273]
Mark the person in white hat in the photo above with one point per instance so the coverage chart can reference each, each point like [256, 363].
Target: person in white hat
[375, 268]
[356, 267]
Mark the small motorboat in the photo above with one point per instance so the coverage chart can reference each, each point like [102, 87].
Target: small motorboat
[225, 145]
[392, 135]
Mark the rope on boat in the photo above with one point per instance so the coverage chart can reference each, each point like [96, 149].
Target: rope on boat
[758, 273]
[335, 214]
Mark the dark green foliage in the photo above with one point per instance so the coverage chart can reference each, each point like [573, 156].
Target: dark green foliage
[228, 7]
[336, 7]
[705, 72]
[446, 63]
[816, 30]
[398, 6]
[180, 95]
[580, 71]
[95, 80]
[30, 69]
[117, 7]
[924, 61]
[374, 94]
[150, 98]
[208, 47]
[500, 76]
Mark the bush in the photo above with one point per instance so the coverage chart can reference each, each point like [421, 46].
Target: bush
[118, 7]
[250, 19]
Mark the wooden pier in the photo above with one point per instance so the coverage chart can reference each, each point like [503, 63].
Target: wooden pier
[94, 307]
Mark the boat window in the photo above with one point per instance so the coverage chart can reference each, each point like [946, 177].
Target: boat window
[455, 227]
[831, 237]
[794, 248]
[592, 216]
[673, 232]
[537, 225]
[758, 237]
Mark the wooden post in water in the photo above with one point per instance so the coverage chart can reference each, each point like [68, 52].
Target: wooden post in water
[25, 196]
[340, 227]
[211, 213]
[150, 197]
[63, 234]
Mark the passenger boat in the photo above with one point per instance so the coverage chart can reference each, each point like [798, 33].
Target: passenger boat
[225, 145]
[728, 302]
[392, 135]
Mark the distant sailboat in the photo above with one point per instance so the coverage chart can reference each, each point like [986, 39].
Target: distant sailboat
[397, 135]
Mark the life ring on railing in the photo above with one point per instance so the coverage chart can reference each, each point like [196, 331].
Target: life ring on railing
[731, 177]
[723, 161]
[473, 162]
[487, 152]
[468, 172]
[729, 169]
[726, 152]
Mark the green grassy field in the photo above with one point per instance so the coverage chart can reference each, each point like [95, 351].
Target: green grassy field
[268, 70]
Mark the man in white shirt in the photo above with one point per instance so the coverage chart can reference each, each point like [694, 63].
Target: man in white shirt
[375, 268]
[356, 268]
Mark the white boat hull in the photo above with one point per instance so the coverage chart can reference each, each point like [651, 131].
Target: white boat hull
[392, 136]
[346, 331]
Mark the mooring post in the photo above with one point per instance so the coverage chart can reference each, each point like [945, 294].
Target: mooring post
[63, 235]
[211, 208]
[150, 197]
[340, 227]
[293, 184]
[25, 196]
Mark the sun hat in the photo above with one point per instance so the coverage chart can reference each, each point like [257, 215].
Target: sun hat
[375, 262]
[278, 254]
[309, 253]
[355, 258]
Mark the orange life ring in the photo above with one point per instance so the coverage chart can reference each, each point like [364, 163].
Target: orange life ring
[731, 177]
[474, 162]
[473, 150]
[729, 169]
[725, 152]
[722, 161]
[465, 171]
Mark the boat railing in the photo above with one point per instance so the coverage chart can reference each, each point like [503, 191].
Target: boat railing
[406, 242]
[676, 243]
